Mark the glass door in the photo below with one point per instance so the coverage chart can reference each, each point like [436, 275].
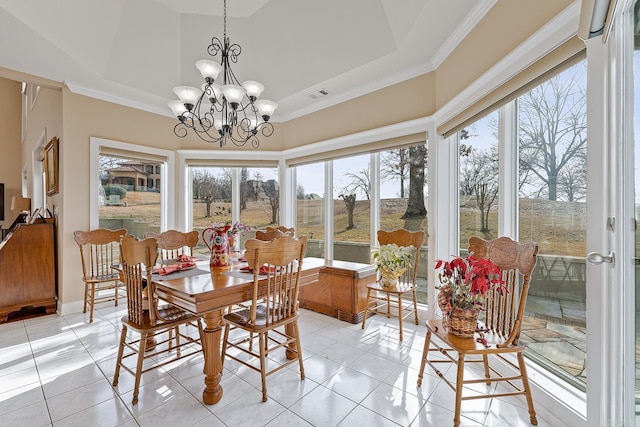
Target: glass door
[636, 172]
[616, 80]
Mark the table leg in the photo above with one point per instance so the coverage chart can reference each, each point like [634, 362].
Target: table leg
[212, 362]
[291, 348]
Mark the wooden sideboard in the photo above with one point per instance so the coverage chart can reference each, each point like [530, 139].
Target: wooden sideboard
[340, 290]
[28, 269]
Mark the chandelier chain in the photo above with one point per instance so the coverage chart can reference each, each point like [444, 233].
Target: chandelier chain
[224, 19]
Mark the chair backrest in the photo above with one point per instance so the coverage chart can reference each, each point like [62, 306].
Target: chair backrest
[288, 231]
[138, 259]
[99, 250]
[281, 261]
[503, 313]
[402, 237]
[271, 233]
[172, 243]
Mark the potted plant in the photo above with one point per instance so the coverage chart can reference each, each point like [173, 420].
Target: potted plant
[464, 284]
[391, 261]
[235, 229]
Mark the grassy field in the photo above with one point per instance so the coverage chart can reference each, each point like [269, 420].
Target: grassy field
[558, 227]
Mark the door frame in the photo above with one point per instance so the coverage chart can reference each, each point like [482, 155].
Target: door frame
[610, 287]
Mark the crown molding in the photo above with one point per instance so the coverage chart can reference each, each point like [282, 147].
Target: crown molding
[120, 100]
[465, 27]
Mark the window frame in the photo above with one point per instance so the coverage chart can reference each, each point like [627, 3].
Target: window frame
[99, 146]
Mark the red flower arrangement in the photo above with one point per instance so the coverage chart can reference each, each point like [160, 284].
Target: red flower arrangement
[464, 282]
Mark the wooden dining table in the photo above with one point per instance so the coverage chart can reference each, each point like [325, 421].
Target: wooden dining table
[209, 294]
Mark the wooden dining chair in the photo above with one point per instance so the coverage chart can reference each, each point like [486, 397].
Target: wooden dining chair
[271, 233]
[145, 317]
[388, 300]
[173, 243]
[499, 331]
[274, 305]
[289, 231]
[99, 251]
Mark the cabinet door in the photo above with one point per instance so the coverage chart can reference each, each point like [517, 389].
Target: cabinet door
[11, 271]
[38, 262]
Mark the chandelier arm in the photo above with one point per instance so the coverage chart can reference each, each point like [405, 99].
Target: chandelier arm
[248, 106]
[180, 130]
[215, 47]
[255, 142]
[266, 129]
[233, 51]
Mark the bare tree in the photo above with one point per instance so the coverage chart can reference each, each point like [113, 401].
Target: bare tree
[417, 161]
[244, 190]
[299, 192]
[553, 131]
[572, 180]
[360, 181]
[208, 188]
[272, 192]
[479, 177]
[350, 203]
[394, 165]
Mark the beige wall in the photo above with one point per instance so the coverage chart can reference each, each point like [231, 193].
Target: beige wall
[75, 118]
[10, 152]
[404, 101]
[503, 28]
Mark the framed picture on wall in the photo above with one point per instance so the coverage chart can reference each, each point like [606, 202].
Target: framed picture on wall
[51, 166]
[2, 202]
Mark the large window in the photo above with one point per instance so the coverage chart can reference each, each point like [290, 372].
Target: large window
[259, 197]
[310, 198]
[551, 204]
[402, 204]
[479, 180]
[211, 191]
[552, 212]
[214, 198]
[129, 195]
[400, 191]
[352, 209]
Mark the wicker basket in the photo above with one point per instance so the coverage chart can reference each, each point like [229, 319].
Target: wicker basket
[463, 323]
[444, 301]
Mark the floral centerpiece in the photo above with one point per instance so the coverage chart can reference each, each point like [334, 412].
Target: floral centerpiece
[233, 229]
[464, 284]
[391, 261]
[220, 237]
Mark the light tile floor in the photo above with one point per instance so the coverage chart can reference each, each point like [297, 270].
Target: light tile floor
[57, 371]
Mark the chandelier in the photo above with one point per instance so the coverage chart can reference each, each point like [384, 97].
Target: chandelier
[226, 111]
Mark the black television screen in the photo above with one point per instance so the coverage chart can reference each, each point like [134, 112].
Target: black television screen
[1, 202]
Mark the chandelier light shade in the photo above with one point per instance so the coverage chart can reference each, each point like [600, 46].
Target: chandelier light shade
[223, 110]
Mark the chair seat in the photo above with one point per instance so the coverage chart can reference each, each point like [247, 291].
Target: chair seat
[170, 317]
[241, 318]
[102, 278]
[400, 288]
[492, 340]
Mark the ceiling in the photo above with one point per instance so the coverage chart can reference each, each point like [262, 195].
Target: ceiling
[134, 52]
